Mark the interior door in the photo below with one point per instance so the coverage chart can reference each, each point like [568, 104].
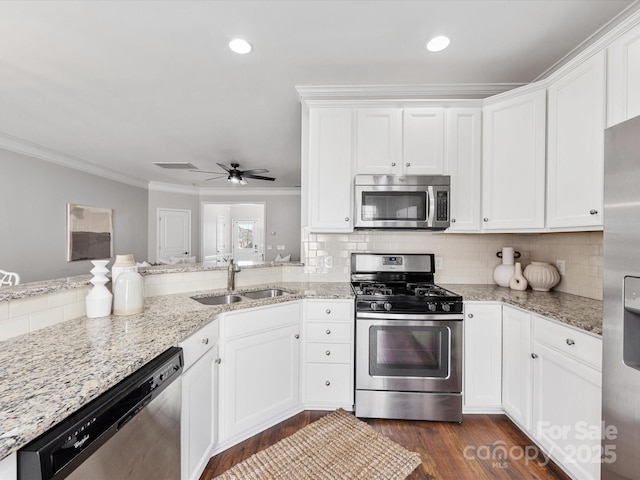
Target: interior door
[174, 233]
[246, 241]
[221, 235]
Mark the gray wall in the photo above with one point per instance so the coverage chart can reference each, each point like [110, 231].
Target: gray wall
[33, 215]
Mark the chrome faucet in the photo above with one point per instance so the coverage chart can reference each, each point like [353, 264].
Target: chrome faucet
[231, 275]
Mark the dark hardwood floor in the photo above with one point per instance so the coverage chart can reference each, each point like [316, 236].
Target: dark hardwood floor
[472, 450]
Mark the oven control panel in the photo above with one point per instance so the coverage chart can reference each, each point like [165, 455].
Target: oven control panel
[396, 261]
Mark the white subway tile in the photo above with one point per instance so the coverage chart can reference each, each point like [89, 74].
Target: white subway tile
[74, 310]
[12, 327]
[59, 299]
[4, 310]
[46, 318]
[25, 306]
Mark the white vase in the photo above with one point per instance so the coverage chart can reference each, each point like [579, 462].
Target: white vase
[518, 282]
[128, 293]
[98, 300]
[503, 272]
[122, 262]
[541, 276]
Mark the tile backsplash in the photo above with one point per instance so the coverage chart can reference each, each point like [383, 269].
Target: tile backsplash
[466, 258]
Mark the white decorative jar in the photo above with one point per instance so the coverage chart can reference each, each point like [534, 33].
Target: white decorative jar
[120, 265]
[518, 282]
[541, 276]
[128, 293]
[503, 273]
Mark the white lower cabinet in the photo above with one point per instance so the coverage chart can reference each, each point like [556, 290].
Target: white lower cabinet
[328, 354]
[259, 369]
[567, 391]
[516, 365]
[482, 390]
[199, 400]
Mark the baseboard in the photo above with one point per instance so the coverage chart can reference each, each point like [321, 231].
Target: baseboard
[478, 410]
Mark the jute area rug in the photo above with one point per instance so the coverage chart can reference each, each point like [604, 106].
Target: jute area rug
[336, 447]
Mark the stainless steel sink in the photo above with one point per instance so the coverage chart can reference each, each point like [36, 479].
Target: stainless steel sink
[268, 293]
[219, 299]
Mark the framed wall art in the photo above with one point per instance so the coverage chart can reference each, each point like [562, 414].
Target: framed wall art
[89, 232]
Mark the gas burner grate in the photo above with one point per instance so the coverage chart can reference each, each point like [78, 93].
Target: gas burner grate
[375, 289]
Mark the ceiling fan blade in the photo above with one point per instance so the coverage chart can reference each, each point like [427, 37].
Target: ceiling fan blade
[257, 170]
[215, 178]
[259, 177]
[224, 167]
[207, 171]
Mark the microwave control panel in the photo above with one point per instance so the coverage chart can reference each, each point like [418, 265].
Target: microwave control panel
[442, 206]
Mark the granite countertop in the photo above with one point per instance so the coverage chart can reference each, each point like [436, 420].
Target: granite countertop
[50, 373]
[33, 289]
[579, 312]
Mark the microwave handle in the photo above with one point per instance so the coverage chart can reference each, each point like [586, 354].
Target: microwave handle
[431, 205]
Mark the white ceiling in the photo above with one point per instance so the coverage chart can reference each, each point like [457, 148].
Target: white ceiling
[113, 86]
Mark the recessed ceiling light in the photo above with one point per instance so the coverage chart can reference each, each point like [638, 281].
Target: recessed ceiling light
[438, 43]
[238, 45]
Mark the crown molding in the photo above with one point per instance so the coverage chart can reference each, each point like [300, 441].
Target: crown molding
[240, 191]
[308, 93]
[23, 147]
[248, 192]
[599, 40]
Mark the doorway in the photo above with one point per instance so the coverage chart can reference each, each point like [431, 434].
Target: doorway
[174, 234]
[233, 230]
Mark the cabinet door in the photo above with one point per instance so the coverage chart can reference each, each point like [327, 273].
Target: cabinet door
[330, 200]
[567, 411]
[259, 376]
[463, 152]
[623, 80]
[423, 141]
[516, 366]
[482, 357]
[513, 181]
[379, 141]
[199, 408]
[575, 176]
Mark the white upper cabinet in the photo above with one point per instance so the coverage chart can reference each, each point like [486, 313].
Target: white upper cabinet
[395, 141]
[623, 97]
[379, 141]
[423, 141]
[463, 133]
[575, 161]
[330, 176]
[513, 179]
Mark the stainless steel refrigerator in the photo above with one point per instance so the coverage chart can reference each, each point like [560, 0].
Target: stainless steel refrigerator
[621, 308]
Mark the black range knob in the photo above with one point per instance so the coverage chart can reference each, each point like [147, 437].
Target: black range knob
[387, 306]
[431, 307]
[446, 307]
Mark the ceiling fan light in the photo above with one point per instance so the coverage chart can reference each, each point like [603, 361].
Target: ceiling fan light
[234, 179]
[437, 44]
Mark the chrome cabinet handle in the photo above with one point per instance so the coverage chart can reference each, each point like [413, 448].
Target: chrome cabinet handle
[470, 315]
[593, 212]
[346, 219]
[534, 355]
[327, 353]
[327, 383]
[485, 219]
[328, 332]
[205, 341]
[570, 341]
[328, 311]
[218, 361]
[407, 164]
[453, 220]
[296, 336]
[393, 164]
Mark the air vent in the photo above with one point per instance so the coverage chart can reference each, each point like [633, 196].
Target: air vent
[176, 165]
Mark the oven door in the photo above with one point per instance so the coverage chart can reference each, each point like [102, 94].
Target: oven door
[409, 353]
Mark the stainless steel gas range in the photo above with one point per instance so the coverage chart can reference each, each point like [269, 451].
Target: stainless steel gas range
[408, 339]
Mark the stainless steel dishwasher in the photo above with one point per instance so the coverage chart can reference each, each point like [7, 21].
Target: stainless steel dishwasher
[132, 431]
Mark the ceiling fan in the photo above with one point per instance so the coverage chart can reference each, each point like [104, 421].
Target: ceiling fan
[236, 176]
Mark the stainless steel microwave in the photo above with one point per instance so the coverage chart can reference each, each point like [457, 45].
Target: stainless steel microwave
[418, 202]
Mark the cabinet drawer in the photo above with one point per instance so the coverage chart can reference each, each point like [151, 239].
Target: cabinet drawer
[329, 332]
[582, 346]
[328, 310]
[329, 352]
[199, 343]
[259, 319]
[329, 383]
